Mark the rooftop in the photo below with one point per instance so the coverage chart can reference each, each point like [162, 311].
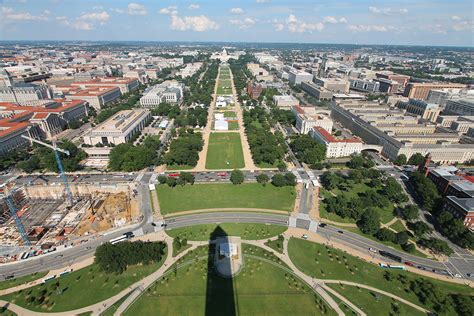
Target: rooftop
[331, 139]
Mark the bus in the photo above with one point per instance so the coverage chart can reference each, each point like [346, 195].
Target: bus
[397, 267]
[49, 278]
[390, 255]
[118, 239]
[65, 272]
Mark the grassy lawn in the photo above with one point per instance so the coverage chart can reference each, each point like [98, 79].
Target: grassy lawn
[204, 196]
[6, 312]
[324, 262]
[21, 280]
[267, 165]
[398, 226]
[275, 245]
[244, 230]
[259, 289]
[233, 125]
[373, 303]
[225, 151]
[224, 86]
[80, 288]
[230, 114]
[178, 167]
[386, 243]
[331, 216]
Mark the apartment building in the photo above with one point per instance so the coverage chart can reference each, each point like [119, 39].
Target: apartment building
[124, 84]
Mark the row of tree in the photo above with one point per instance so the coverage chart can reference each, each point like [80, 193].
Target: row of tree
[265, 146]
[308, 150]
[116, 258]
[185, 149]
[182, 179]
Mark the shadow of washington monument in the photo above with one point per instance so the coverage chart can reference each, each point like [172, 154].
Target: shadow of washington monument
[220, 296]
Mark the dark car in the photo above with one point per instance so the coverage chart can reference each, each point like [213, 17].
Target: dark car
[340, 232]
[153, 224]
[323, 225]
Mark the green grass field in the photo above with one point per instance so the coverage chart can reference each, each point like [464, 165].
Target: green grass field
[178, 167]
[398, 226]
[225, 151]
[244, 230]
[324, 262]
[224, 86]
[80, 288]
[111, 310]
[233, 125]
[204, 196]
[21, 280]
[373, 303]
[229, 114]
[259, 289]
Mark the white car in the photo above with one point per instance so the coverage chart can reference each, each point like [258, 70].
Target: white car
[304, 236]
[372, 250]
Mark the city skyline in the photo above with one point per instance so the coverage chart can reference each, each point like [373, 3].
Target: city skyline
[366, 22]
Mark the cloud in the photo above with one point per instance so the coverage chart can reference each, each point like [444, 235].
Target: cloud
[101, 17]
[296, 26]
[243, 23]
[7, 14]
[136, 9]
[456, 18]
[199, 23]
[194, 6]
[279, 27]
[334, 20]
[263, 1]
[370, 28]
[76, 24]
[171, 10]
[388, 11]
[236, 11]
[464, 25]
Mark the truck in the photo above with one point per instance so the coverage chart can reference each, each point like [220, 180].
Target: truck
[390, 255]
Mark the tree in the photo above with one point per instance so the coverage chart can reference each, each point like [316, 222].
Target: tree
[409, 247]
[186, 177]
[172, 182]
[416, 159]
[409, 212]
[278, 180]
[237, 177]
[262, 178]
[401, 238]
[437, 245]
[401, 160]
[369, 222]
[74, 124]
[357, 161]
[385, 234]
[281, 166]
[394, 191]
[330, 180]
[162, 179]
[425, 189]
[290, 179]
[307, 149]
[30, 165]
[419, 228]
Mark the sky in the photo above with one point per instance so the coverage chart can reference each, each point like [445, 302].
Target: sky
[401, 22]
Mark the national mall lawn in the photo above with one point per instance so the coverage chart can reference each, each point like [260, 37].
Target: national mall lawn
[213, 196]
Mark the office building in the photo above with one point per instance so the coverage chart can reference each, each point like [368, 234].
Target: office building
[337, 85]
[297, 76]
[316, 91]
[169, 91]
[25, 93]
[124, 84]
[427, 111]
[415, 90]
[387, 86]
[398, 133]
[362, 85]
[97, 97]
[285, 101]
[261, 74]
[336, 148]
[118, 129]
[39, 122]
[308, 117]
[402, 80]
[254, 90]
[459, 107]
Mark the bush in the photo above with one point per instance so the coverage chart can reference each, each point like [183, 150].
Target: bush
[409, 247]
[237, 177]
[385, 234]
[162, 179]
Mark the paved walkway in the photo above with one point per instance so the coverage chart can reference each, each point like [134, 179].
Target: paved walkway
[227, 209]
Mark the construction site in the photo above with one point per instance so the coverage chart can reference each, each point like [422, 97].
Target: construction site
[39, 217]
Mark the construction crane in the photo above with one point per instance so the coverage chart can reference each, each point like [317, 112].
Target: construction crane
[57, 150]
[13, 212]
